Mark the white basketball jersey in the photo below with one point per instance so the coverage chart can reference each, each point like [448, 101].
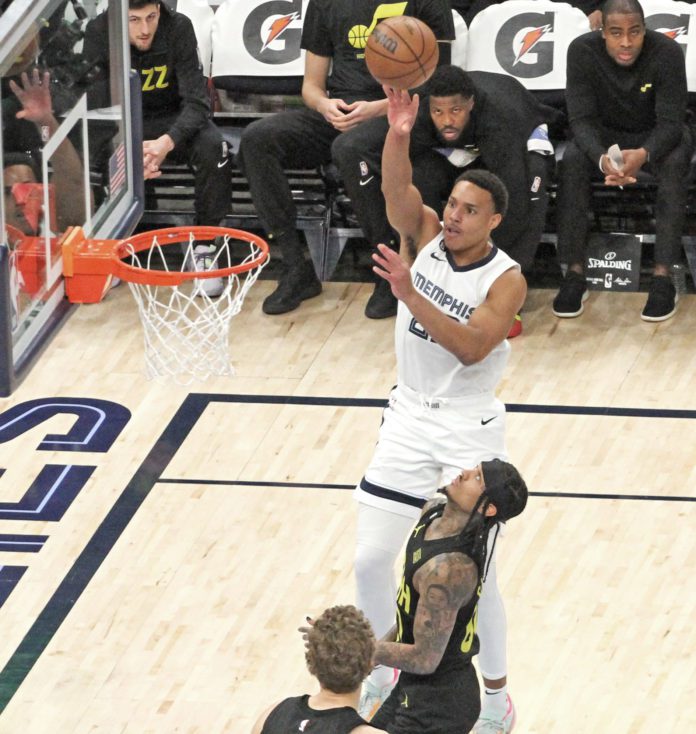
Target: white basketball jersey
[425, 366]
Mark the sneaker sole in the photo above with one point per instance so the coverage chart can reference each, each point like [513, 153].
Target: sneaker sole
[659, 318]
[567, 314]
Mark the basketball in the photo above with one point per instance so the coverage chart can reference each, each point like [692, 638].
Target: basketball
[401, 52]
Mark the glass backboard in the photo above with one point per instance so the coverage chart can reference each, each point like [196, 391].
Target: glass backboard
[68, 133]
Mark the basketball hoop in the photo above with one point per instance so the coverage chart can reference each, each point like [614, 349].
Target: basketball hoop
[186, 330]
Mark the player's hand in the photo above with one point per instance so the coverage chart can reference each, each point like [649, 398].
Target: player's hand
[634, 160]
[154, 152]
[332, 110]
[358, 112]
[614, 176]
[620, 180]
[402, 110]
[608, 168]
[391, 266]
[35, 96]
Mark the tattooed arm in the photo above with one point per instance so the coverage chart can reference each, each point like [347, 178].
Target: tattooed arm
[445, 583]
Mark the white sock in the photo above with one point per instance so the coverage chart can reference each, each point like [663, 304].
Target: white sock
[492, 625]
[494, 701]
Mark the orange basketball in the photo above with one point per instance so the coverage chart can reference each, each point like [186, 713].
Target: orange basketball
[401, 52]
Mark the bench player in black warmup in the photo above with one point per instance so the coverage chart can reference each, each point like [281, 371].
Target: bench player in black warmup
[626, 86]
[340, 645]
[176, 108]
[434, 639]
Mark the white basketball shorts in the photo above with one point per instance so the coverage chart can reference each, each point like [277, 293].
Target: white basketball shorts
[425, 442]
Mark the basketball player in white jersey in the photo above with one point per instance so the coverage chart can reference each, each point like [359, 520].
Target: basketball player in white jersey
[458, 295]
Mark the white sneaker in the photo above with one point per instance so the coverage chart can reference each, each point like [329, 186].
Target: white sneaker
[491, 724]
[372, 696]
[204, 259]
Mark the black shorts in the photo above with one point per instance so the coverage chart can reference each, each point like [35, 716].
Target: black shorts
[446, 704]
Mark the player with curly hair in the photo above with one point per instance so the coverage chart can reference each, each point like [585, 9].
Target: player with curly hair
[340, 646]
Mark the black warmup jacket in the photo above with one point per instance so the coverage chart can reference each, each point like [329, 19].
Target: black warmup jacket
[644, 103]
[502, 119]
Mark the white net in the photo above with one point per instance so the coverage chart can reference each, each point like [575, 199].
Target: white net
[186, 327]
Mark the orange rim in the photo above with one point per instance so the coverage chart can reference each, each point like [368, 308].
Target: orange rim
[171, 235]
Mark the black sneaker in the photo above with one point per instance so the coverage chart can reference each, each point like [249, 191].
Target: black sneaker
[297, 284]
[662, 299]
[569, 299]
[382, 302]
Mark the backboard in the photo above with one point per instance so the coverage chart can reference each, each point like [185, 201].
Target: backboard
[66, 160]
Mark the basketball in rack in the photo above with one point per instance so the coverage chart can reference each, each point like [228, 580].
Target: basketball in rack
[186, 329]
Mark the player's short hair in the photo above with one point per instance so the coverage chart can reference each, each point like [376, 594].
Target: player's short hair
[449, 80]
[622, 7]
[137, 4]
[340, 648]
[491, 183]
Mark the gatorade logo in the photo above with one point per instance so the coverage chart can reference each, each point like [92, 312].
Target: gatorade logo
[524, 45]
[673, 26]
[272, 31]
[358, 34]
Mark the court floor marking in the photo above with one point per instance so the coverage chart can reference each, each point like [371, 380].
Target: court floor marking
[150, 472]
[314, 485]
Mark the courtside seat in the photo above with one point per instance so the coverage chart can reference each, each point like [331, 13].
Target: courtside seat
[258, 51]
[201, 15]
[459, 45]
[678, 21]
[527, 39]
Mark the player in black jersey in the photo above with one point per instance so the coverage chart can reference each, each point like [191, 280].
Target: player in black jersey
[340, 646]
[434, 639]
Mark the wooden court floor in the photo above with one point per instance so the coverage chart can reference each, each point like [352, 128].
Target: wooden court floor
[159, 545]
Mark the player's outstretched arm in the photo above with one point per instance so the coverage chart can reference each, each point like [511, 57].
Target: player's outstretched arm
[415, 223]
[444, 584]
[68, 173]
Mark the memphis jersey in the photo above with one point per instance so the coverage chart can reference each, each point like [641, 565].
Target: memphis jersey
[424, 365]
[463, 643]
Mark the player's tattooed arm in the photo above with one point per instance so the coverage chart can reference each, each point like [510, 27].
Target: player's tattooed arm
[445, 583]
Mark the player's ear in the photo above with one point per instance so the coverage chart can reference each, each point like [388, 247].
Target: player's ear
[495, 220]
[491, 510]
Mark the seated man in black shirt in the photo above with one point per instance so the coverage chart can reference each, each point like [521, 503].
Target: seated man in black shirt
[345, 107]
[626, 86]
[490, 121]
[176, 108]
[340, 646]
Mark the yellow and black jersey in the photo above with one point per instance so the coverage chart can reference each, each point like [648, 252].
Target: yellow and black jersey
[463, 643]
